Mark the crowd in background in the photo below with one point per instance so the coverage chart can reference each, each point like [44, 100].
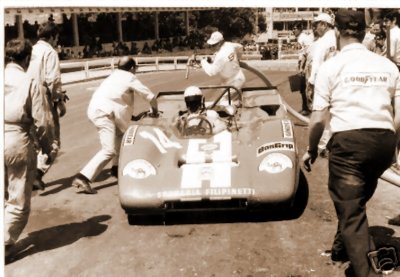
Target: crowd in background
[159, 46]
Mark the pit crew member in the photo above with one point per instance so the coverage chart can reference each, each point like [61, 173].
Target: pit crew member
[45, 68]
[110, 110]
[26, 114]
[362, 103]
[226, 62]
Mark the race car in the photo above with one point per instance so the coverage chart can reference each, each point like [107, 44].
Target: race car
[252, 164]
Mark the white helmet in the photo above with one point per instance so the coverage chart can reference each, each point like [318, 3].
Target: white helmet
[192, 91]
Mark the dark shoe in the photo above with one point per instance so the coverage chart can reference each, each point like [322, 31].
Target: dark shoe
[114, 171]
[395, 220]
[349, 272]
[9, 253]
[339, 256]
[38, 183]
[82, 185]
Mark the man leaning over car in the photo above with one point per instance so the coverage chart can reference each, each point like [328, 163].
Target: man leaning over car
[110, 110]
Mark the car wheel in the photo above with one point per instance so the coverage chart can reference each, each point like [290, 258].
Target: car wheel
[146, 219]
[300, 198]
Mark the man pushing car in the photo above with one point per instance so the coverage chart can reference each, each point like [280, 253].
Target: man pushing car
[110, 110]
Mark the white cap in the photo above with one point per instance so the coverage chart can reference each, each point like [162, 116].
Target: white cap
[324, 17]
[215, 38]
[192, 91]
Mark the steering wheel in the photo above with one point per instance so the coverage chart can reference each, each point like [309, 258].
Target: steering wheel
[204, 127]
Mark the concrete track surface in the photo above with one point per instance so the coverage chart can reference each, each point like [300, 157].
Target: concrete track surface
[71, 234]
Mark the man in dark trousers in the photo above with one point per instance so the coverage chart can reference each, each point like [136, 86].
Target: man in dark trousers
[360, 101]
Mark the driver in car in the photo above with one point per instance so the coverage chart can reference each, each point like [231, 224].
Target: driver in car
[198, 119]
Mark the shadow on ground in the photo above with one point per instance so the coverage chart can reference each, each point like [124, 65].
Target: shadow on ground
[58, 236]
[65, 183]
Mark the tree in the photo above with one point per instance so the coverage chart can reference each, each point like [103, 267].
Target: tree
[232, 22]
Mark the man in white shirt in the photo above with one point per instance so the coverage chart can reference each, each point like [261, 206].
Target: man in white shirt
[44, 67]
[26, 115]
[362, 104]
[391, 20]
[324, 49]
[226, 62]
[304, 40]
[326, 45]
[110, 110]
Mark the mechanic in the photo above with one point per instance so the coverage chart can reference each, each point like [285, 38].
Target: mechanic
[226, 62]
[194, 100]
[324, 49]
[45, 68]
[110, 110]
[361, 102]
[304, 40]
[390, 20]
[26, 114]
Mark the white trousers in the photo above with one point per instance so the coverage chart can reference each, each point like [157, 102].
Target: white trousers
[110, 140]
[19, 173]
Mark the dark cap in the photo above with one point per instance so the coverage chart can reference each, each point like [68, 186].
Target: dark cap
[350, 20]
[126, 63]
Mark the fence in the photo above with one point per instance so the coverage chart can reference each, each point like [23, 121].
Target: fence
[81, 70]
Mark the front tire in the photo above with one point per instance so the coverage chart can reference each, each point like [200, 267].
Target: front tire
[146, 219]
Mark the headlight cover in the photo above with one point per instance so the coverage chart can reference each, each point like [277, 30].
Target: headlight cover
[275, 163]
[139, 169]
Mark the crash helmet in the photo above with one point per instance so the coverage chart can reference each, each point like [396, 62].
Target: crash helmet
[193, 98]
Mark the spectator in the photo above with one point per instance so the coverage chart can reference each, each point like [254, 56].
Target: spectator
[360, 111]
[134, 50]
[25, 109]
[167, 45]
[369, 39]
[110, 110]
[391, 21]
[44, 67]
[115, 48]
[146, 49]
[86, 52]
[379, 45]
[97, 47]
[156, 46]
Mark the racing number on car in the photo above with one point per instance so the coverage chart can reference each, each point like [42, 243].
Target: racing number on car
[162, 141]
[208, 166]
